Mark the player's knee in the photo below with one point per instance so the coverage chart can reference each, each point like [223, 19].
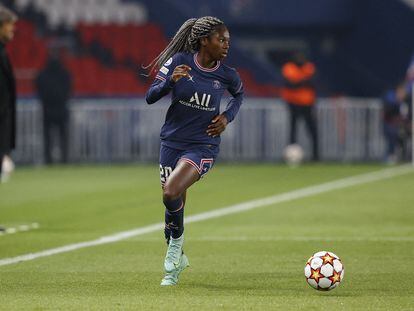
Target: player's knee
[170, 193]
[172, 200]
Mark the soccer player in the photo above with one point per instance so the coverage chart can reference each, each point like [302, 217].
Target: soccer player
[190, 68]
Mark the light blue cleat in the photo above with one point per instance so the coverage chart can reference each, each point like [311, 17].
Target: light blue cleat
[175, 261]
[171, 278]
[173, 256]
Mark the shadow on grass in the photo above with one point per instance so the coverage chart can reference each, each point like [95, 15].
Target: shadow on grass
[261, 284]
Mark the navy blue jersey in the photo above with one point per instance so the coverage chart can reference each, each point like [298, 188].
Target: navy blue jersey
[195, 100]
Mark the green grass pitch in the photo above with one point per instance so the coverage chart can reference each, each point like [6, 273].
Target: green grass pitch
[252, 260]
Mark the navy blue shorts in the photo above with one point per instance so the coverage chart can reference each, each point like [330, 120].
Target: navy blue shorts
[201, 157]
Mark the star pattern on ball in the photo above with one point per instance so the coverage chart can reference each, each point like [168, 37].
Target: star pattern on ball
[335, 278]
[327, 259]
[316, 274]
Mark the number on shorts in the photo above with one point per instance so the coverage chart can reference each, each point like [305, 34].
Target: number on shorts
[164, 173]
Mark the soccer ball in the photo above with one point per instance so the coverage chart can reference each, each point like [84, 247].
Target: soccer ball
[293, 154]
[324, 271]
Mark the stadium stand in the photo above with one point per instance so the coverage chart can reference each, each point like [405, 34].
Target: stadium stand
[28, 54]
[122, 35]
[104, 44]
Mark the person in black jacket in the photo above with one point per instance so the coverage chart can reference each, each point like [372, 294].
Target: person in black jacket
[54, 90]
[7, 90]
[396, 121]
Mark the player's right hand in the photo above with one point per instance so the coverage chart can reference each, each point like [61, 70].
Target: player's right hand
[180, 71]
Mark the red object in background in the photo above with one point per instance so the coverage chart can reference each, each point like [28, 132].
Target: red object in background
[27, 50]
[252, 88]
[28, 54]
[139, 44]
[91, 78]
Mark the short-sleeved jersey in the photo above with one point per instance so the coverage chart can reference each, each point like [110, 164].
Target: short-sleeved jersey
[195, 99]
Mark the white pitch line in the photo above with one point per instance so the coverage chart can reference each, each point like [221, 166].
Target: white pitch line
[237, 208]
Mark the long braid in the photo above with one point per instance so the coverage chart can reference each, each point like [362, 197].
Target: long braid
[187, 39]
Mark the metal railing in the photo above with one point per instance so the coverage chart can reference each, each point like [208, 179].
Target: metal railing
[127, 130]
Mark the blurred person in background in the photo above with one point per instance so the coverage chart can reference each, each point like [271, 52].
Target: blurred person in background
[54, 85]
[300, 95]
[190, 68]
[409, 85]
[7, 95]
[396, 118]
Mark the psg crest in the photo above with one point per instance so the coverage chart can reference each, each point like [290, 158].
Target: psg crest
[216, 84]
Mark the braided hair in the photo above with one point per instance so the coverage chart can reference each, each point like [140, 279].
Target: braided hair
[187, 39]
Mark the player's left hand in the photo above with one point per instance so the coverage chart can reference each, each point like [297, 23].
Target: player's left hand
[218, 125]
